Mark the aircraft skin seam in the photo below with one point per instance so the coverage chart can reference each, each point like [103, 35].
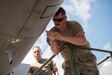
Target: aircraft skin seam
[42, 17]
[28, 18]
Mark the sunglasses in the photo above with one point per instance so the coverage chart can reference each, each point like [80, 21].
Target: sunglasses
[57, 20]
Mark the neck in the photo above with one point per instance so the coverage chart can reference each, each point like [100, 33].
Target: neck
[39, 59]
[64, 27]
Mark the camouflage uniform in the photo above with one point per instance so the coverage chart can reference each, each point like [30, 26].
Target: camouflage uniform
[87, 61]
[87, 66]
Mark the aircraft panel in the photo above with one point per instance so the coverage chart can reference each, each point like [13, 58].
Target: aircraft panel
[21, 23]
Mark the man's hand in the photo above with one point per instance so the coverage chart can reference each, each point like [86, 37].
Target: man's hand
[51, 35]
[59, 36]
[54, 36]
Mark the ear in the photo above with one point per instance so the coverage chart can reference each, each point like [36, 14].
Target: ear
[65, 17]
[41, 52]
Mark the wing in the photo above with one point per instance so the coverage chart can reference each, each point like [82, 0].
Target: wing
[21, 23]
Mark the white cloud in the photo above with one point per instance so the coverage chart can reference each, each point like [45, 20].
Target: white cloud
[108, 46]
[80, 8]
[106, 69]
[106, 64]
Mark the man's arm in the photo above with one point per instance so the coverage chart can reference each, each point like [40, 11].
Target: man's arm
[53, 44]
[78, 39]
[56, 72]
[29, 71]
[54, 47]
[54, 68]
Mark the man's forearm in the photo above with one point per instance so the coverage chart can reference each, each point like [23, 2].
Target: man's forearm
[56, 73]
[54, 47]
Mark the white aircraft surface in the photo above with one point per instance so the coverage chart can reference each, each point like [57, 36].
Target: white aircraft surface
[21, 23]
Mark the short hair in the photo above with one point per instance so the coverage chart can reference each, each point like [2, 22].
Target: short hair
[37, 47]
[60, 10]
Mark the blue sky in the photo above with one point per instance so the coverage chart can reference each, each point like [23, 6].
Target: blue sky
[96, 18]
[101, 20]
